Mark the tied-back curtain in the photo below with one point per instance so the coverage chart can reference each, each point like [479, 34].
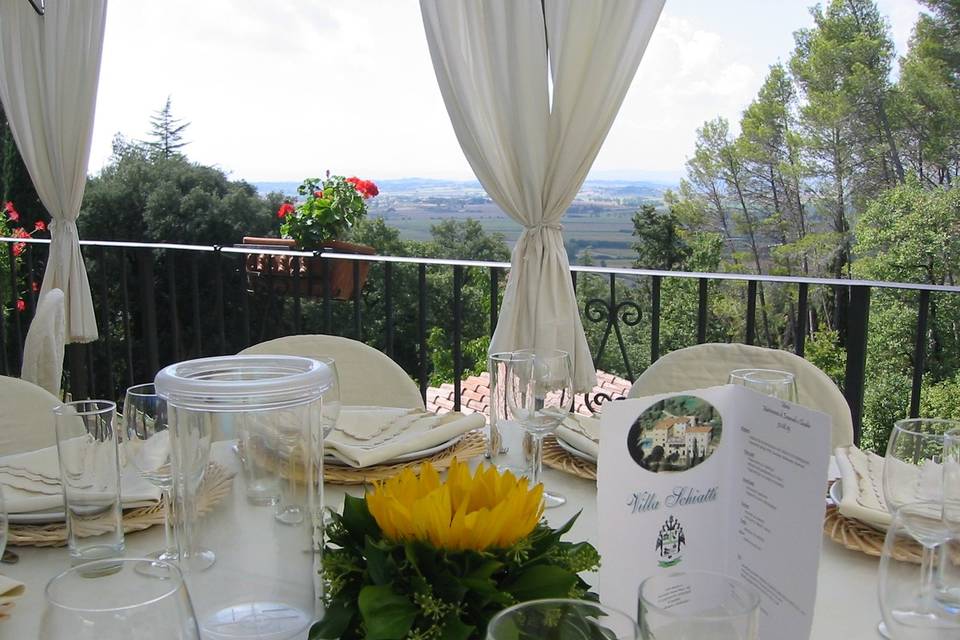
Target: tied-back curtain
[49, 69]
[532, 154]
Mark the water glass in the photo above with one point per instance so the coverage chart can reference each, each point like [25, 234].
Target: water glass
[951, 477]
[770, 382]
[90, 475]
[921, 602]
[697, 604]
[112, 599]
[913, 469]
[561, 618]
[506, 436]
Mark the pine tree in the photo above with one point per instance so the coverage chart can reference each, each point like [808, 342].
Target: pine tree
[167, 132]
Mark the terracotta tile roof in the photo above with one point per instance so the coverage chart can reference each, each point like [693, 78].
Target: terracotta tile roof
[475, 394]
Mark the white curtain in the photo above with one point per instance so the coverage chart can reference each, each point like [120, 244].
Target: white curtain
[529, 152]
[49, 69]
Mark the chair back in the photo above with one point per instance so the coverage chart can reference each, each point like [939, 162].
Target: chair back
[43, 348]
[367, 376]
[708, 365]
[26, 421]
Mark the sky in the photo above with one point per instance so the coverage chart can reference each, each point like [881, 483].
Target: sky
[285, 89]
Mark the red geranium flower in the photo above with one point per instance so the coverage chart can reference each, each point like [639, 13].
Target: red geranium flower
[35, 286]
[21, 305]
[11, 212]
[20, 233]
[40, 226]
[18, 248]
[285, 209]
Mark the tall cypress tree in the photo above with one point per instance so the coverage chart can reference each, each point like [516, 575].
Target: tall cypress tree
[166, 132]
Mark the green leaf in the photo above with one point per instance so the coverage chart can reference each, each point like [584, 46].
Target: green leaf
[357, 518]
[386, 615]
[542, 581]
[379, 565]
[455, 629]
[336, 619]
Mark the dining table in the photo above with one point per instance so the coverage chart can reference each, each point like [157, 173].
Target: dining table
[846, 603]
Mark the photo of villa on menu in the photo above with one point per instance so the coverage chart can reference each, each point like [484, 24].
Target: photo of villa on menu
[675, 434]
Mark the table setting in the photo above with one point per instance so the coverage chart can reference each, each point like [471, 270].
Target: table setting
[264, 530]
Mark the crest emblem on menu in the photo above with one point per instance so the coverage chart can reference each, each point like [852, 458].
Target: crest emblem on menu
[670, 542]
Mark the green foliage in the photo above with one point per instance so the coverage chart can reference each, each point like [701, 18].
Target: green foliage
[327, 209]
[166, 133]
[823, 350]
[384, 590]
[659, 244]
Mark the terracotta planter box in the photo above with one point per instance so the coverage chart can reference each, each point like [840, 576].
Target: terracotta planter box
[265, 271]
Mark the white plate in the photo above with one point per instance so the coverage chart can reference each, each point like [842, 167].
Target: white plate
[36, 517]
[572, 450]
[406, 457]
[836, 492]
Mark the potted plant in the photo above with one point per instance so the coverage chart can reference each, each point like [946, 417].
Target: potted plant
[326, 209]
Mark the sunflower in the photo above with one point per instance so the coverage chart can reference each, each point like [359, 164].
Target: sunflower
[485, 510]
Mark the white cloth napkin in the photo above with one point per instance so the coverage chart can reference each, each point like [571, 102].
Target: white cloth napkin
[366, 436]
[31, 483]
[10, 590]
[861, 475]
[581, 432]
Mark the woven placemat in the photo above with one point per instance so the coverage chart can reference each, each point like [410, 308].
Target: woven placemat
[556, 457]
[858, 536]
[216, 485]
[471, 444]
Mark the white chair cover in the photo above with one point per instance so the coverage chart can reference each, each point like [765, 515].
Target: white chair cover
[707, 365]
[532, 154]
[43, 348]
[49, 68]
[26, 421]
[367, 376]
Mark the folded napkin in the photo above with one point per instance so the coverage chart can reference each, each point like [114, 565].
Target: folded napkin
[581, 432]
[10, 590]
[31, 483]
[366, 436]
[861, 475]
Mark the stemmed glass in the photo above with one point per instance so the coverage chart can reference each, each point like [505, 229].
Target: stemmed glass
[770, 382]
[147, 446]
[91, 602]
[540, 397]
[913, 473]
[921, 604]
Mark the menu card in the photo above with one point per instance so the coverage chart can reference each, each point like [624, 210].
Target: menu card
[721, 479]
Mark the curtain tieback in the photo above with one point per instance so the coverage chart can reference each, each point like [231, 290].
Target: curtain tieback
[556, 226]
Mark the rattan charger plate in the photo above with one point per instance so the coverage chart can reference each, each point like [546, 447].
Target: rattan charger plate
[216, 485]
[858, 536]
[473, 443]
[556, 457]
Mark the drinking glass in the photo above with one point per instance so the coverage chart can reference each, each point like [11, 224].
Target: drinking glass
[508, 444]
[913, 472]
[541, 396]
[89, 460]
[147, 447]
[560, 618]
[90, 602]
[3, 523]
[919, 602]
[951, 476]
[697, 604]
[770, 382]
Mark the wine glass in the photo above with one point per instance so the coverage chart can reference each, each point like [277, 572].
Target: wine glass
[147, 447]
[540, 397]
[561, 618]
[919, 602]
[913, 473]
[91, 602]
[770, 382]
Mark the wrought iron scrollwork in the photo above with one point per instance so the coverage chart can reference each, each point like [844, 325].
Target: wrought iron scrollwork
[627, 313]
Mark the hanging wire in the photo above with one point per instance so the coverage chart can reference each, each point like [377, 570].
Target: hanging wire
[38, 6]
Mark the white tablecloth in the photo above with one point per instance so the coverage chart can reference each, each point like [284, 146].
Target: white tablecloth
[846, 598]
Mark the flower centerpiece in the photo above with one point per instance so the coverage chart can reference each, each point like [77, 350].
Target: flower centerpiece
[421, 558]
[317, 221]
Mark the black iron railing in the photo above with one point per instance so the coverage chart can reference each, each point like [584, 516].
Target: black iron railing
[159, 303]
